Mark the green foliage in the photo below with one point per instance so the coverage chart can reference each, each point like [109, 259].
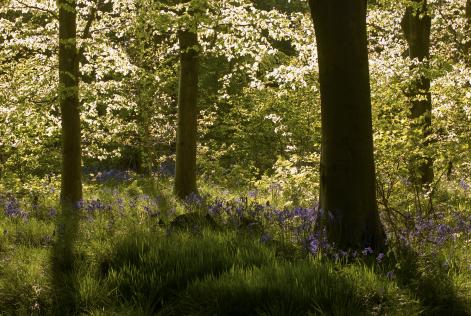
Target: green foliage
[259, 135]
[24, 284]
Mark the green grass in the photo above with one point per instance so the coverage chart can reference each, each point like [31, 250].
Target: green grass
[127, 263]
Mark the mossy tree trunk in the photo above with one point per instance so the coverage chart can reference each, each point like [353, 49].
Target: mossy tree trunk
[185, 173]
[416, 25]
[348, 196]
[71, 181]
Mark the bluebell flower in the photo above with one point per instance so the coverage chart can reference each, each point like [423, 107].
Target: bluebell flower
[464, 185]
[252, 193]
[314, 246]
[367, 251]
[215, 208]
[12, 209]
[193, 198]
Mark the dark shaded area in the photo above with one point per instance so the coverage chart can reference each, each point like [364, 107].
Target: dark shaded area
[185, 169]
[63, 259]
[433, 287]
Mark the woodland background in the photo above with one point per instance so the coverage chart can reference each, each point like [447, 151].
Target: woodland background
[258, 153]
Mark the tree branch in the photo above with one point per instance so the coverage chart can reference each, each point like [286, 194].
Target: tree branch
[33, 7]
[87, 29]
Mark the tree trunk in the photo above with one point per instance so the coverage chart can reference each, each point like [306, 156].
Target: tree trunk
[416, 25]
[468, 10]
[71, 181]
[468, 31]
[348, 193]
[185, 174]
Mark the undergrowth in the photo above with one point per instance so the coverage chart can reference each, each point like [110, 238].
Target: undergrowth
[235, 256]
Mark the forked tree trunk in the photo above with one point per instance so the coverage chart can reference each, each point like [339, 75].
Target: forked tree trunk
[71, 181]
[185, 173]
[348, 195]
[416, 25]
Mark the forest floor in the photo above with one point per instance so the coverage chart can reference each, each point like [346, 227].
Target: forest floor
[137, 253]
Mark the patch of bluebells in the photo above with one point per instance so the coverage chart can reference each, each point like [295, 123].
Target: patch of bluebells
[216, 208]
[13, 209]
[300, 224]
[194, 198]
[112, 175]
[92, 207]
[436, 229]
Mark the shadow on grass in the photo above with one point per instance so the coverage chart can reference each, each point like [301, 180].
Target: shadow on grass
[223, 273]
[428, 278]
[63, 261]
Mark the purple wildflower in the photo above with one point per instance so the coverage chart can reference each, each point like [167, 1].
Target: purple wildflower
[367, 251]
[52, 212]
[464, 185]
[314, 246]
[252, 193]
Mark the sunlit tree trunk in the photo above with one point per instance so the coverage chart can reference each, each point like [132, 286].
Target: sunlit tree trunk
[416, 25]
[71, 185]
[348, 196]
[185, 173]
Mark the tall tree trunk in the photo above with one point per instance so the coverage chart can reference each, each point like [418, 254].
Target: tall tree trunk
[348, 193]
[64, 280]
[144, 102]
[71, 182]
[416, 25]
[185, 173]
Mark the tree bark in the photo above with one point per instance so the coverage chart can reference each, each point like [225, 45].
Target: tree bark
[348, 193]
[71, 181]
[416, 25]
[468, 10]
[468, 31]
[63, 257]
[185, 173]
